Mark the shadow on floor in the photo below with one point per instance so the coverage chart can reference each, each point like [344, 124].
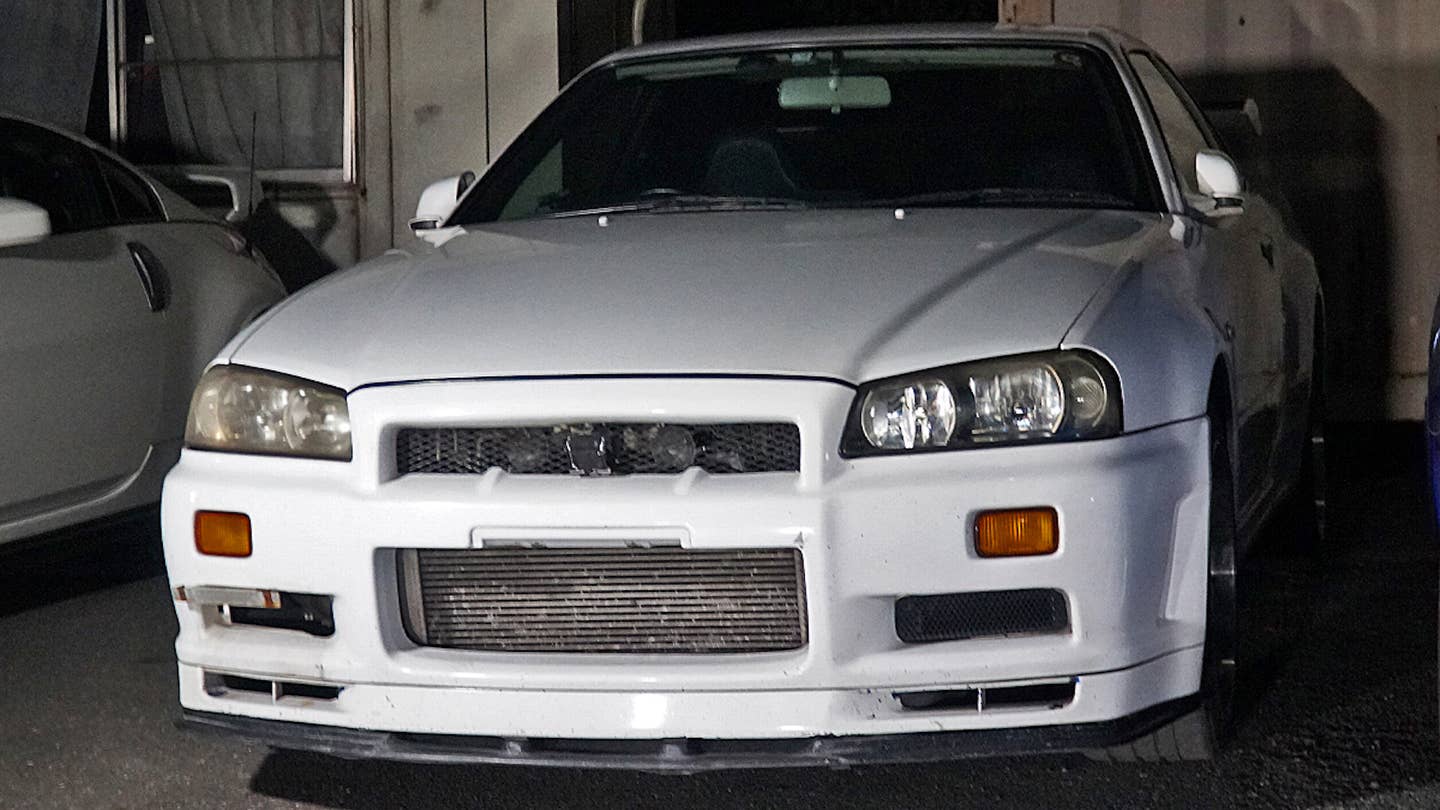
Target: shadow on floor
[77, 561]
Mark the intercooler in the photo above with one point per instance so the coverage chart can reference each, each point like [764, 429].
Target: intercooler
[604, 600]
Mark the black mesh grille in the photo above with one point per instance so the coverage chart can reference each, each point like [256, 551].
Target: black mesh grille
[953, 616]
[601, 448]
[605, 600]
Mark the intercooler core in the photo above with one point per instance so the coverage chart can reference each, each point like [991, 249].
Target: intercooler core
[604, 600]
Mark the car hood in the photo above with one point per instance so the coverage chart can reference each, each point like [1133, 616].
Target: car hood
[843, 294]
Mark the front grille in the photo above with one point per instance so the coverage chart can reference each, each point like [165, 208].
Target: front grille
[604, 600]
[954, 616]
[601, 448]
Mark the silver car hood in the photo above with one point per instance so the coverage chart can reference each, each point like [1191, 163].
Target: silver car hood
[845, 294]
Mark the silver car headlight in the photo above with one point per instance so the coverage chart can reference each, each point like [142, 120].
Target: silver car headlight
[245, 410]
[1052, 396]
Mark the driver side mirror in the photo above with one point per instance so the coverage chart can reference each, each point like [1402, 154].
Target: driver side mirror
[1219, 179]
[437, 202]
[22, 222]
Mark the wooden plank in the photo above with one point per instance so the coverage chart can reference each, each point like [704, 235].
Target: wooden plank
[1027, 12]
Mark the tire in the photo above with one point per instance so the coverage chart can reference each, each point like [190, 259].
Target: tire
[1200, 734]
[1189, 738]
[1310, 489]
[1298, 529]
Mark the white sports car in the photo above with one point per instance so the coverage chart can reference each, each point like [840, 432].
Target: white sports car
[813, 398]
[114, 295]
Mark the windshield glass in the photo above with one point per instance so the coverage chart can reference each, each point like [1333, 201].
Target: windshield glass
[954, 125]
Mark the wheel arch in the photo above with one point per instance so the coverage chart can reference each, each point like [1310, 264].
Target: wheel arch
[1219, 401]
[1220, 405]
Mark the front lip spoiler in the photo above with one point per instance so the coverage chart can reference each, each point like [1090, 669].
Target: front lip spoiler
[682, 756]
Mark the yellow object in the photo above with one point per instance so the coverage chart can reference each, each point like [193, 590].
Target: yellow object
[1017, 532]
[222, 534]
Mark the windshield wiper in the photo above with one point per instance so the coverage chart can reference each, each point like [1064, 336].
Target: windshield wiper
[677, 201]
[1005, 196]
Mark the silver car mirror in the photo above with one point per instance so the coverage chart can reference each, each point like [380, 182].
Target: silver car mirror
[437, 202]
[22, 222]
[1219, 180]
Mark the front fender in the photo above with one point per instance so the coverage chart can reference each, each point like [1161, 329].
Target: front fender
[1148, 321]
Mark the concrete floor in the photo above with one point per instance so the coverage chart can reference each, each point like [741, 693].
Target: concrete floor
[1340, 696]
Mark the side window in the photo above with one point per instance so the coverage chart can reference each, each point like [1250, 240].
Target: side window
[573, 170]
[56, 174]
[544, 185]
[1184, 134]
[133, 199]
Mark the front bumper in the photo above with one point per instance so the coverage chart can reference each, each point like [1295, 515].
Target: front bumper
[685, 756]
[1132, 564]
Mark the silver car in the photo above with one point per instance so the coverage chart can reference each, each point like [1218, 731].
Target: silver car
[114, 295]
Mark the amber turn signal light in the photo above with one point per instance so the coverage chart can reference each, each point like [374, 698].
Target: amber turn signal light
[222, 534]
[1017, 532]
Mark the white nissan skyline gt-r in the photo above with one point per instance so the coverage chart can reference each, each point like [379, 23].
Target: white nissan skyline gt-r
[821, 397]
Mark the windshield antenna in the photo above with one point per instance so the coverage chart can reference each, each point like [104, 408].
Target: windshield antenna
[245, 230]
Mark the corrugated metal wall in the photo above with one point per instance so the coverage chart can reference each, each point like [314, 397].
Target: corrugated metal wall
[1349, 92]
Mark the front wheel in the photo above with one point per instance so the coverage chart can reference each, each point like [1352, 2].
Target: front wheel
[1218, 678]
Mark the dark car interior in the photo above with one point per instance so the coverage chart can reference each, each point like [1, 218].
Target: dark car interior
[1039, 124]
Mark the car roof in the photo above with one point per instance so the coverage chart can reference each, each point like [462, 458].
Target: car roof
[64, 133]
[919, 33]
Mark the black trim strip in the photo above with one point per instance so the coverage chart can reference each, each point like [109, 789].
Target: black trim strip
[692, 755]
[620, 376]
[200, 221]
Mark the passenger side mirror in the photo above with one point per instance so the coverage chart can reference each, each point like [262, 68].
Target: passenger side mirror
[437, 202]
[1219, 179]
[22, 222]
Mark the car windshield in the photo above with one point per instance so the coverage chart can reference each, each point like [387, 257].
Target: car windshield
[952, 125]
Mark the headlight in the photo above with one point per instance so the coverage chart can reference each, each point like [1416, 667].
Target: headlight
[244, 410]
[1056, 396]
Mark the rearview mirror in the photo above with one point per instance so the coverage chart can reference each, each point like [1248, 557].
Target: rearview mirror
[1219, 179]
[834, 93]
[22, 222]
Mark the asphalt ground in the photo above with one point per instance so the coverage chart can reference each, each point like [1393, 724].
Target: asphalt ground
[1339, 694]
